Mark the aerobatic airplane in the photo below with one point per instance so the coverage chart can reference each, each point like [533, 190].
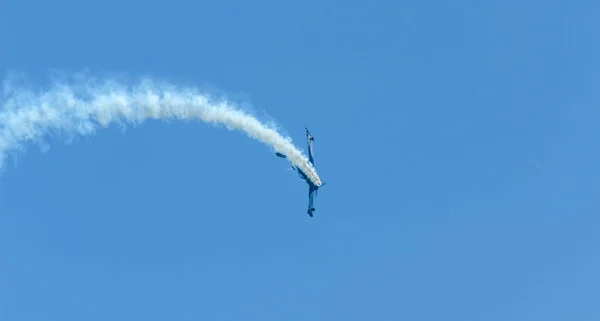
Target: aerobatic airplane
[312, 188]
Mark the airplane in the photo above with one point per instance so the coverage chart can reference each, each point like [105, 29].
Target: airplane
[312, 188]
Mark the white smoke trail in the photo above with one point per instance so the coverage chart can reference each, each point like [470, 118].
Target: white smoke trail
[80, 105]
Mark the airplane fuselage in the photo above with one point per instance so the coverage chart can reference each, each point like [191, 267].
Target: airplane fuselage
[312, 188]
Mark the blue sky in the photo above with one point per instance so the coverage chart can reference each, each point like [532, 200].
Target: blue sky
[458, 140]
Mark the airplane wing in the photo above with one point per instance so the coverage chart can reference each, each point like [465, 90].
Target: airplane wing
[310, 139]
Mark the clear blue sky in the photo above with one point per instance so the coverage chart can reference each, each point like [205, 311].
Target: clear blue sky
[459, 141]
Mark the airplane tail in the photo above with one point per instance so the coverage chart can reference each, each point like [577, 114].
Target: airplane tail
[280, 155]
[309, 135]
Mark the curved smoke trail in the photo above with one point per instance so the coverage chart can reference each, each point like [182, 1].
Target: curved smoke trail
[80, 105]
